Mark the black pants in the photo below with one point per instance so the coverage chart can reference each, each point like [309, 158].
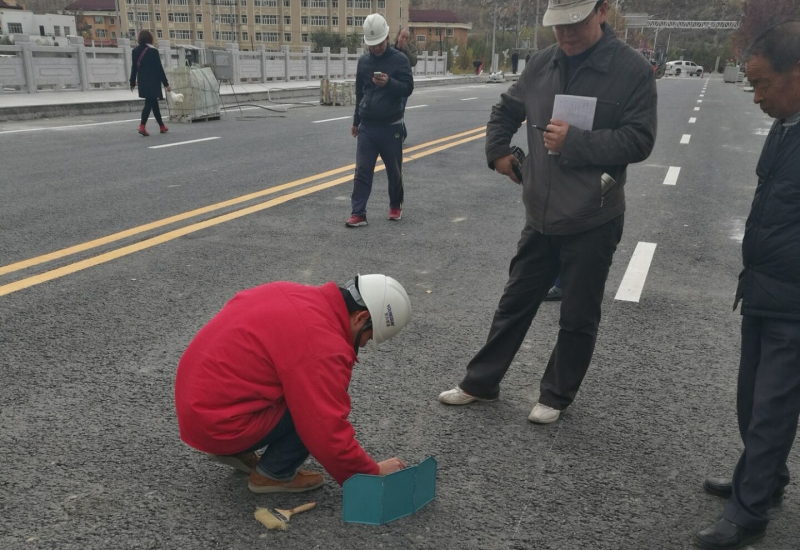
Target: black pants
[583, 260]
[151, 103]
[768, 406]
[374, 141]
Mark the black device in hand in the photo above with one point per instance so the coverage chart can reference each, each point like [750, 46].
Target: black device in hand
[519, 154]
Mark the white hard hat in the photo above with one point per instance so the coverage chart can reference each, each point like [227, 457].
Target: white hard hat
[376, 29]
[388, 305]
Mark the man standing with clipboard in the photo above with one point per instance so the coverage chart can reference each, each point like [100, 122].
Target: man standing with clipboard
[573, 190]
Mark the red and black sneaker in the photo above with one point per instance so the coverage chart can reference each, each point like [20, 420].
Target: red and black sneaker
[395, 214]
[164, 129]
[356, 221]
[143, 131]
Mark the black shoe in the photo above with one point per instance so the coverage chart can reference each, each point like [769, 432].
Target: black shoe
[554, 295]
[722, 487]
[725, 535]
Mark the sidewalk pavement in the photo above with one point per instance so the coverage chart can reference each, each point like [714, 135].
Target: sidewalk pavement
[24, 106]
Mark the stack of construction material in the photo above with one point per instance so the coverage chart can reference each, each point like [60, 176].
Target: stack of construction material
[200, 89]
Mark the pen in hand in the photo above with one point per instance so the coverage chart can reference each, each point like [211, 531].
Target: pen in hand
[538, 128]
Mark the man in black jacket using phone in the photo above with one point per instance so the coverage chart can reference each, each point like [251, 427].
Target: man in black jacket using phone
[383, 80]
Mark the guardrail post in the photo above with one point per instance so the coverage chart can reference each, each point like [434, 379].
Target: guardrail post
[344, 53]
[80, 48]
[425, 57]
[444, 61]
[125, 45]
[263, 53]
[307, 56]
[23, 41]
[287, 63]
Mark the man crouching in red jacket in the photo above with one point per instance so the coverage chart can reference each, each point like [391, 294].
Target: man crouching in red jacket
[272, 370]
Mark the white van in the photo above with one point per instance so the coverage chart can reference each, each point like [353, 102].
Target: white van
[676, 68]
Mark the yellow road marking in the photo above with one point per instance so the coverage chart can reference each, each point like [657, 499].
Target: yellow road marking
[108, 239]
[180, 232]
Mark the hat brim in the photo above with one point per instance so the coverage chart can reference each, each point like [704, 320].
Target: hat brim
[376, 41]
[569, 15]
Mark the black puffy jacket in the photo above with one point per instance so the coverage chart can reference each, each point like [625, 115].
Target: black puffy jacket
[769, 285]
[376, 106]
[149, 73]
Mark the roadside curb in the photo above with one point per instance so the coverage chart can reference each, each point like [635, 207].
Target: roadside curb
[30, 112]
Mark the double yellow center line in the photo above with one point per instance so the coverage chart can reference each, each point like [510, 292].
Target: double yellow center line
[410, 154]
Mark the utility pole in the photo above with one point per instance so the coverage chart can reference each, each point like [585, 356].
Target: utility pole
[494, 33]
[536, 30]
[519, 15]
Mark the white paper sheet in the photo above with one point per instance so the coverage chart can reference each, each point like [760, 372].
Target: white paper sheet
[575, 110]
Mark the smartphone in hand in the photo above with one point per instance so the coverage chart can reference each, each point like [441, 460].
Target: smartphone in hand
[376, 74]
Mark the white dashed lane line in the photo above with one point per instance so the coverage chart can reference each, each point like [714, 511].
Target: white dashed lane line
[183, 143]
[672, 175]
[630, 290]
[697, 108]
[685, 139]
[692, 120]
[330, 119]
[469, 98]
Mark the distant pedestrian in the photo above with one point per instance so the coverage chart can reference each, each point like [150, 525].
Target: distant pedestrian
[768, 393]
[571, 227]
[514, 61]
[147, 71]
[383, 80]
[527, 59]
[402, 43]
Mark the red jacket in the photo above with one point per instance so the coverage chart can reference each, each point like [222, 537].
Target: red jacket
[271, 347]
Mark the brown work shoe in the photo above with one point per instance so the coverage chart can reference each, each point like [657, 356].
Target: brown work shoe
[302, 482]
[244, 462]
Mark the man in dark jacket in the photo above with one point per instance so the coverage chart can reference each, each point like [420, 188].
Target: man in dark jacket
[768, 397]
[383, 80]
[574, 221]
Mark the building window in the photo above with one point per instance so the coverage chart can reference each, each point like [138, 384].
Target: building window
[334, 3]
[319, 21]
[287, 37]
[363, 4]
[304, 37]
[227, 36]
[287, 3]
[381, 4]
[244, 20]
[159, 34]
[287, 19]
[304, 20]
[98, 19]
[266, 37]
[130, 17]
[319, 3]
[158, 16]
[335, 20]
[144, 17]
[266, 3]
[303, 3]
[359, 20]
[420, 38]
[226, 19]
[177, 2]
[450, 32]
[244, 35]
[110, 20]
[66, 31]
[438, 32]
[178, 17]
[198, 17]
[349, 3]
[56, 30]
[197, 2]
[199, 35]
[266, 19]
[349, 21]
[15, 28]
[100, 33]
[113, 34]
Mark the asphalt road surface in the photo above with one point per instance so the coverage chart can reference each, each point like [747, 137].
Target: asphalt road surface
[114, 253]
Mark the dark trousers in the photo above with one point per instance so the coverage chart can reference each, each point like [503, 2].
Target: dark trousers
[768, 406]
[374, 141]
[583, 260]
[285, 453]
[151, 103]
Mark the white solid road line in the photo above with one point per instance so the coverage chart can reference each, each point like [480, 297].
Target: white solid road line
[468, 98]
[415, 107]
[331, 119]
[183, 143]
[672, 175]
[630, 290]
[69, 127]
[685, 139]
[692, 120]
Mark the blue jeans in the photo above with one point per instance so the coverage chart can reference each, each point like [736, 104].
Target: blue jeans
[285, 451]
[374, 141]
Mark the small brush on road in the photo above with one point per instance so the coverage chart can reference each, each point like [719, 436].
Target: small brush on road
[281, 517]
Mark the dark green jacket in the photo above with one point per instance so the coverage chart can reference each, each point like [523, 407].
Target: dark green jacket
[562, 194]
[411, 53]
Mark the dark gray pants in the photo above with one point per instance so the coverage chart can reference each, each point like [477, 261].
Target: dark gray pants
[374, 141]
[768, 406]
[583, 260]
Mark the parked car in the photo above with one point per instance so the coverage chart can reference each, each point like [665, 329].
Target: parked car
[676, 68]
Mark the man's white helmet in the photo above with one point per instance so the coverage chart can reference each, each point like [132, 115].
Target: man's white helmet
[376, 30]
[387, 302]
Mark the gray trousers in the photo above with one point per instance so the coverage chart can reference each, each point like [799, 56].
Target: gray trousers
[768, 407]
[583, 260]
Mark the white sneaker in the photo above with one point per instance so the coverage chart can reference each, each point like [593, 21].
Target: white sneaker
[542, 414]
[457, 396]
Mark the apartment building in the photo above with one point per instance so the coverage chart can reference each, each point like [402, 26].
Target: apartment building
[96, 19]
[436, 30]
[251, 23]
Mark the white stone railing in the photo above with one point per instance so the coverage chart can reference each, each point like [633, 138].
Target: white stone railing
[26, 67]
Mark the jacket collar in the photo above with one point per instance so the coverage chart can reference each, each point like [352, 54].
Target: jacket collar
[601, 57]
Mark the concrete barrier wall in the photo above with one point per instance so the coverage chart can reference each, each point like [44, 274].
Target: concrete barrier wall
[28, 69]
